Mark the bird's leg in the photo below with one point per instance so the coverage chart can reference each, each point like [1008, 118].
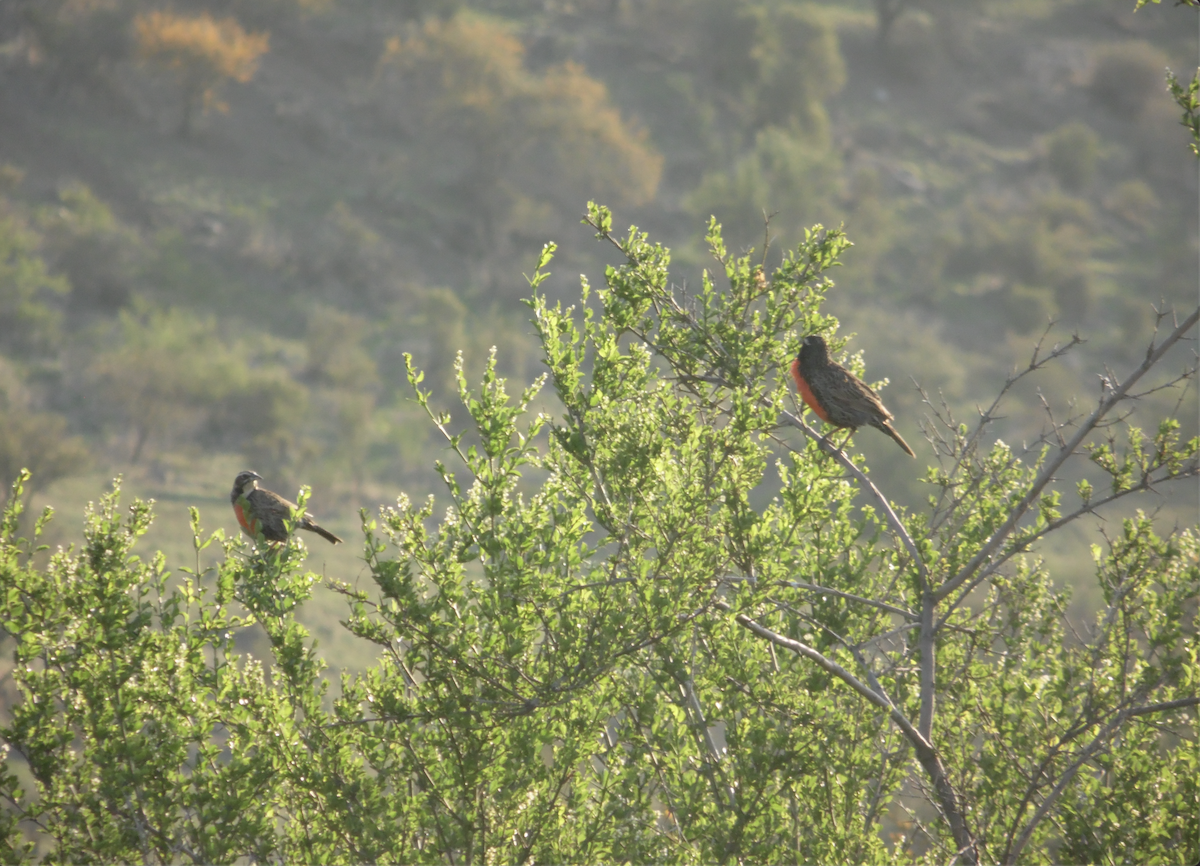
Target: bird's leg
[827, 446]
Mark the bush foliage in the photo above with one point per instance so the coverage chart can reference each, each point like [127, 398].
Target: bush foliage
[650, 627]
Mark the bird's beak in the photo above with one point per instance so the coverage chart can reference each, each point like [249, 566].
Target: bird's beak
[256, 476]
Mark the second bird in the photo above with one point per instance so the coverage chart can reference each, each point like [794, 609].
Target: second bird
[838, 396]
[261, 512]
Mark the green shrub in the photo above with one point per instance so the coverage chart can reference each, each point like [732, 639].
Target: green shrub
[668, 621]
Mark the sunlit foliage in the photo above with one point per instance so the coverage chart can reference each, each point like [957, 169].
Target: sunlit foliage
[649, 626]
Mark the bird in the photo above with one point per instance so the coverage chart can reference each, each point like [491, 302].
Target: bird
[262, 514]
[838, 396]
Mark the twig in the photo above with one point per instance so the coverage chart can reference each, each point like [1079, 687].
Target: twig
[893, 520]
[1044, 477]
[882, 605]
[1146, 483]
[1097, 743]
[825, 590]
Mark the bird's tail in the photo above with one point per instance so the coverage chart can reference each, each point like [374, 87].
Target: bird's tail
[321, 531]
[891, 431]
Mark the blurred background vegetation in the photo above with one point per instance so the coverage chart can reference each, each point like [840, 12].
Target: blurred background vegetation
[222, 222]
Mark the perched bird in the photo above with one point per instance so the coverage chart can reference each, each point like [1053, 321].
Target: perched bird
[838, 396]
[263, 513]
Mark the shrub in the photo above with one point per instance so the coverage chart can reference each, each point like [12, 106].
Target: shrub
[495, 140]
[800, 66]
[101, 256]
[79, 41]
[32, 439]
[668, 621]
[30, 312]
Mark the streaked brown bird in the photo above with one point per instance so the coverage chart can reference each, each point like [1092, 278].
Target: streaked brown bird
[262, 513]
[838, 396]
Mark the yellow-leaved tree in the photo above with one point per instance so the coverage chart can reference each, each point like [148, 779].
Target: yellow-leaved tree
[203, 51]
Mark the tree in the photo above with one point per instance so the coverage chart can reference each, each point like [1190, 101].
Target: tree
[653, 626]
[80, 41]
[203, 51]
[170, 373]
[771, 69]
[784, 177]
[888, 12]
[1127, 76]
[101, 256]
[344, 382]
[154, 377]
[37, 441]
[1072, 153]
[30, 319]
[799, 68]
[514, 149]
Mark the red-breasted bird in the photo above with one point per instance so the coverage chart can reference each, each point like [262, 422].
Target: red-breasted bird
[838, 396]
[263, 513]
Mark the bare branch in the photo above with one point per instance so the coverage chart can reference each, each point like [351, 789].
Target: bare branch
[1055, 427]
[893, 521]
[767, 217]
[945, 795]
[927, 656]
[855, 649]
[1036, 363]
[830, 666]
[882, 605]
[1116, 395]
[1144, 484]
[1098, 742]
[1164, 707]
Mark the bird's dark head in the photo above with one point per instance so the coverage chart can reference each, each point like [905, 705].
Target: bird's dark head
[244, 483]
[813, 350]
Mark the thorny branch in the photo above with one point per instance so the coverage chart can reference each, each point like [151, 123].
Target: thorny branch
[986, 416]
[1107, 403]
[1097, 744]
[1145, 483]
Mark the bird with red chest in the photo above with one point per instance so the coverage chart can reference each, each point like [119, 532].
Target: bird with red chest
[263, 514]
[838, 396]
